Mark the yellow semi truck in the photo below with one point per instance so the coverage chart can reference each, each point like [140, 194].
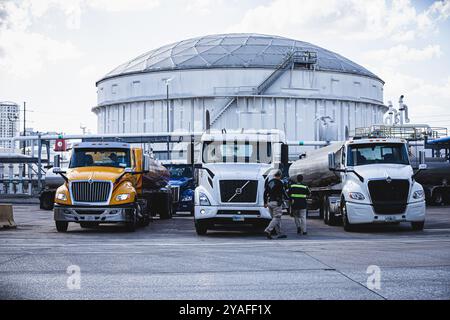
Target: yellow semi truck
[111, 182]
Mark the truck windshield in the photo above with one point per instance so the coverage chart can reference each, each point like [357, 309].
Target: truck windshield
[364, 154]
[117, 158]
[238, 151]
[179, 171]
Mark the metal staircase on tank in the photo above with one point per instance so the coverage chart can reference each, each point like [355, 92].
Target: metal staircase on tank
[306, 59]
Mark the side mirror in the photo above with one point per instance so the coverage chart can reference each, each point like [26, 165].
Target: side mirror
[285, 155]
[57, 161]
[128, 170]
[58, 170]
[331, 161]
[422, 159]
[190, 154]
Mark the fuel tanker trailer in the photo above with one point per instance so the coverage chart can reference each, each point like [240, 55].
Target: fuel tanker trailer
[111, 182]
[362, 181]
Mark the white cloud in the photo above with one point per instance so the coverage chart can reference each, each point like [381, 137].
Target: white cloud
[349, 19]
[122, 5]
[402, 54]
[201, 7]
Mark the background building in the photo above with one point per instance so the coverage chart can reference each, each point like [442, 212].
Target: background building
[9, 122]
[246, 81]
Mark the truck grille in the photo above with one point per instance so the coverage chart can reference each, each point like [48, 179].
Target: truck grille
[389, 197]
[96, 191]
[238, 191]
[175, 193]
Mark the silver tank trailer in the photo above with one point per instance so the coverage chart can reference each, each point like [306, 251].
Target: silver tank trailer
[314, 167]
[53, 180]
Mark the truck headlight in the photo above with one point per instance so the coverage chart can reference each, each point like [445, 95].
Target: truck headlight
[419, 194]
[61, 196]
[123, 197]
[356, 196]
[203, 199]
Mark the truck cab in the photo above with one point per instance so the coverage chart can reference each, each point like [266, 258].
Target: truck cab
[103, 184]
[377, 184]
[182, 184]
[232, 169]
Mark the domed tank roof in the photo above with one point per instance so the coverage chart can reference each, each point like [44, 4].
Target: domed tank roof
[233, 51]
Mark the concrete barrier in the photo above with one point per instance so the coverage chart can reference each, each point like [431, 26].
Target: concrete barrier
[6, 216]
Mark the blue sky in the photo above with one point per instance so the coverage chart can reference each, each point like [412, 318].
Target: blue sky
[53, 51]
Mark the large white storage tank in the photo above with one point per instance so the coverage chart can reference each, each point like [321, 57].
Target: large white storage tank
[245, 81]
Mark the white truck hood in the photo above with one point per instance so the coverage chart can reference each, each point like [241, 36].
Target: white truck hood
[233, 171]
[380, 171]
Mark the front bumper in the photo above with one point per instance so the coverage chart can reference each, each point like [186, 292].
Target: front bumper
[113, 214]
[364, 213]
[232, 215]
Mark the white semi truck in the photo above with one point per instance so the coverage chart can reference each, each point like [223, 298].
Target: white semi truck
[362, 181]
[232, 168]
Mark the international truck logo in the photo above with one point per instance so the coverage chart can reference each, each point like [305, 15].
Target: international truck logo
[90, 181]
[388, 179]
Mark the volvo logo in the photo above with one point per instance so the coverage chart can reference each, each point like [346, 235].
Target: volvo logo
[238, 191]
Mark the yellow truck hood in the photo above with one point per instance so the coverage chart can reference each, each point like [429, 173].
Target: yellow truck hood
[94, 173]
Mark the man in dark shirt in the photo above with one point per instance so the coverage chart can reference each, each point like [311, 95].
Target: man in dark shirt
[274, 193]
[298, 193]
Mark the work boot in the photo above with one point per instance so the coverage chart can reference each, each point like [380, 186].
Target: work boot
[299, 231]
[268, 235]
[305, 233]
[282, 236]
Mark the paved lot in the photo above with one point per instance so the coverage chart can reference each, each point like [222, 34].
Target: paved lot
[167, 260]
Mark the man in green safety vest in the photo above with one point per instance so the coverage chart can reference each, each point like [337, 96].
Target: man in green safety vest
[298, 193]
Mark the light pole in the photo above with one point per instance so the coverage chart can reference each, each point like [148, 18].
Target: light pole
[167, 83]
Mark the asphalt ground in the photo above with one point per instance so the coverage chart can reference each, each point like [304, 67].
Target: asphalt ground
[167, 260]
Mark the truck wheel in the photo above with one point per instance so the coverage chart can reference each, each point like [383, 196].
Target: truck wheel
[61, 226]
[437, 199]
[347, 225]
[46, 202]
[132, 225]
[418, 226]
[321, 211]
[166, 212]
[326, 211]
[200, 228]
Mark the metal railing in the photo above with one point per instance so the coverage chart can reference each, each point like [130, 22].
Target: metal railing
[407, 132]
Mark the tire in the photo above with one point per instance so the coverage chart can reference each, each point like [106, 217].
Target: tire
[145, 222]
[326, 210]
[47, 201]
[321, 211]
[89, 224]
[347, 225]
[200, 228]
[61, 226]
[438, 198]
[131, 226]
[418, 226]
[165, 210]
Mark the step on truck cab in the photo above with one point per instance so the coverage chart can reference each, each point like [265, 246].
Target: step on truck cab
[110, 182]
[233, 167]
[363, 181]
